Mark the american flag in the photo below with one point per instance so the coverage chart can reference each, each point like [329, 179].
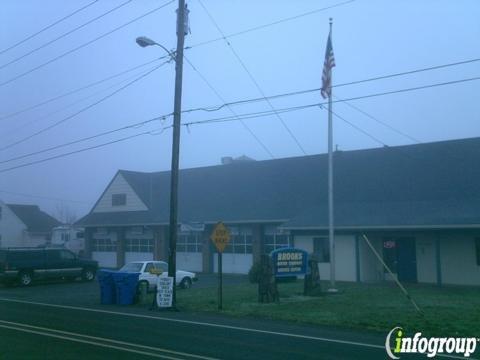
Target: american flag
[329, 63]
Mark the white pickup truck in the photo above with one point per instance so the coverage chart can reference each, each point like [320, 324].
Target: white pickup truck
[148, 270]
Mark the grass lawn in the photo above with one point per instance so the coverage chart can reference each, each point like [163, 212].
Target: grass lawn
[448, 311]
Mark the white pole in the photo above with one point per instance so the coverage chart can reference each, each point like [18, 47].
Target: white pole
[331, 237]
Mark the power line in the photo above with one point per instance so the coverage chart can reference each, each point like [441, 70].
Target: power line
[80, 150]
[73, 103]
[259, 27]
[253, 115]
[64, 35]
[43, 197]
[138, 124]
[47, 27]
[83, 109]
[83, 45]
[379, 121]
[262, 144]
[74, 91]
[301, 92]
[257, 85]
[38, 152]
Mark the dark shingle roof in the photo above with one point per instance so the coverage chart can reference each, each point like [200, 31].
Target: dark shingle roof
[425, 184]
[35, 219]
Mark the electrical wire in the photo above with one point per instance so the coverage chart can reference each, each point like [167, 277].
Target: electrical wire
[252, 78]
[80, 150]
[82, 109]
[76, 90]
[379, 121]
[301, 92]
[84, 44]
[47, 27]
[250, 131]
[64, 35]
[259, 27]
[43, 197]
[72, 104]
[109, 132]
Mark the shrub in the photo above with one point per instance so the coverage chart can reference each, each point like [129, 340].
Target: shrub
[254, 273]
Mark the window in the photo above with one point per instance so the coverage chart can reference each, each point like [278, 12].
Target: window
[275, 238]
[119, 199]
[240, 240]
[149, 267]
[65, 237]
[477, 248]
[321, 249]
[80, 235]
[104, 245]
[139, 245]
[189, 241]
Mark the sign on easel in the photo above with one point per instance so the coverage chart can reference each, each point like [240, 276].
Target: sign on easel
[164, 292]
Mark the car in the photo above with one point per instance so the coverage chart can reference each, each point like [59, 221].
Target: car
[26, 265]
[148, 273]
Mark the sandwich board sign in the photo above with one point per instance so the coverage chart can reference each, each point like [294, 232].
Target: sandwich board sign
[164, 291]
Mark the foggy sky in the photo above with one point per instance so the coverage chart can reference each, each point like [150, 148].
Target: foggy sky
[370, 38]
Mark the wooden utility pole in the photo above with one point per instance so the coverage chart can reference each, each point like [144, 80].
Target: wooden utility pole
[177, 111]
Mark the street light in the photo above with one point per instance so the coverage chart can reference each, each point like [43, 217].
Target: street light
[144, 41]
[177, 111]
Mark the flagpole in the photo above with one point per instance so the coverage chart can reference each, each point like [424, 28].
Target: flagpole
[331, 237]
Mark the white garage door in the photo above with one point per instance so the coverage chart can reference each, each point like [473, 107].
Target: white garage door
[234, 263]
[190, 261]
[106, 259]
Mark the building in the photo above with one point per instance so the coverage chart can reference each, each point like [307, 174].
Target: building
[69, 237]
[24, 225]
[419, 205]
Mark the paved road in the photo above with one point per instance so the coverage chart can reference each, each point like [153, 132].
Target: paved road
[64, 321]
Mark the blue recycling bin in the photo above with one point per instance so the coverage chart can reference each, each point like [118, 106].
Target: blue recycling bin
[108, 293]
[126, 287]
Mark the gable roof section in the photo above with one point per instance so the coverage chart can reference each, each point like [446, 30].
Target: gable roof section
[35, 219]
[425, 184]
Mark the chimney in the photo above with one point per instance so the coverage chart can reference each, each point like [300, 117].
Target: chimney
[227, 160]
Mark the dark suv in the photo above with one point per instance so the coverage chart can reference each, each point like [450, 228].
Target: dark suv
[24, 265]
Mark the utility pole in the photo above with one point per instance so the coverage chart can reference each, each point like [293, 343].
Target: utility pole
[177, 110]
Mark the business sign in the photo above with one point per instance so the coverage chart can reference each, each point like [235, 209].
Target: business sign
[289, 262]
[164, 291]
[220, 236]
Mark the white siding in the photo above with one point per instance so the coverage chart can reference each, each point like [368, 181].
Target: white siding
[12, 229]
[119, 186]
[458, 258]
[426, 259]
[345, 265]
[234, 263]
[190, 261]
[371, 269]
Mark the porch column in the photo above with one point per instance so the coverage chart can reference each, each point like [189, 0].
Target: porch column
[120, 246]
[438, 260]
[207, 251]
[88, 239]
[257, 242]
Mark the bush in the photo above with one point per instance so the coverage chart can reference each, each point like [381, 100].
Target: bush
[254, 273]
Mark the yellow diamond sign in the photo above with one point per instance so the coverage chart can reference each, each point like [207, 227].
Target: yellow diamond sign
[220, 236]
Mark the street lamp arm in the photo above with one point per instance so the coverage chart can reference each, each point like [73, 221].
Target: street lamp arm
[144, 41]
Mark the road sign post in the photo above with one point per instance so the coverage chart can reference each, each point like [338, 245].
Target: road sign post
[220, 237]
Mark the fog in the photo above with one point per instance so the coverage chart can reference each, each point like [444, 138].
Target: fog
[370, 39]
